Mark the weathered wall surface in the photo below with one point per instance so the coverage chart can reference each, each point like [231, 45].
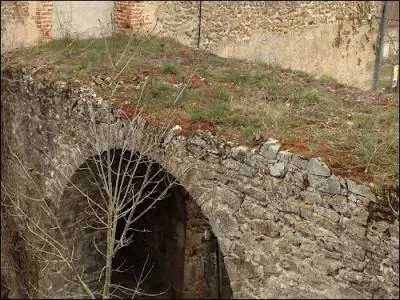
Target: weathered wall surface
[287, 226]
[29, 23]
[24, 23]
[81, 18]
[334, 38]
[331, 38]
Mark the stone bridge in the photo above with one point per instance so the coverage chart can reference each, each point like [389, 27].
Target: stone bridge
[258, 223]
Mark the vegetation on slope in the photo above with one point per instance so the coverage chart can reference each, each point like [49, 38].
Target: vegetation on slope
[355, 132]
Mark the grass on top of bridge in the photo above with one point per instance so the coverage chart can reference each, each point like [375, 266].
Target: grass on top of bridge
[355, 132]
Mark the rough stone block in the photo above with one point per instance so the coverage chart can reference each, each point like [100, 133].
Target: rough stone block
[352, 227]
[247, 171]
[255, 161]
[327, 213]
[306, 211]
[212, 158]
[239, 153]
[332, 186]
[277, 169]
[256, 193]
[225, 223]
[357, 188]
[351, 276]
[270, 149]
[351, 263]
[318, 167]
[299, 162]
[267, 227]
[290, 205]
[231, 164]
[339, 204]
[284, 156]
[251, 210]
[197, 140]
[316, 181]
[196, 151]
[328, 266]
[289, 265]
[311, 197]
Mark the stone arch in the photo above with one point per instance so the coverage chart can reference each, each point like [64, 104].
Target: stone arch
[286, 225]
[185, 252]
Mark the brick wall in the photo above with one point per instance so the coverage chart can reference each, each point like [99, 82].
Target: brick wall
[128, 16]
[44, 14]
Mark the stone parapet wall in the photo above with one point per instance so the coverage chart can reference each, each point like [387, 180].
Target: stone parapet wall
[287, 226]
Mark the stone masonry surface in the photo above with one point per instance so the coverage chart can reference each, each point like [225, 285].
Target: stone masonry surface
[287, 226]
[333, 38]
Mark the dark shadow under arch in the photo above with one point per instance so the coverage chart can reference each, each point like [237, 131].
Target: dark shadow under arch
[174, 238]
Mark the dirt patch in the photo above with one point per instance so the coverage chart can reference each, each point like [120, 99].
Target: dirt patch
[188, 127]
[129, 110]
[197, 82]
[173, 79]
[186, 56]
[386, 208]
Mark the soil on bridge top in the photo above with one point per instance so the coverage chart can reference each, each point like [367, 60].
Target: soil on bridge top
[355, 132]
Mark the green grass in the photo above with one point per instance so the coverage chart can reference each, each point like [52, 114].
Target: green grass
[163, 87]
[385, 76]
[233, 76]
[170, 68]
[307, 95]
[217, 113]
[250, 133]
[273, 88]
[224, 96]
[301, 74]
[237, 120]
[245, 99]
[162, 46]
[326, 79]
[215, 60]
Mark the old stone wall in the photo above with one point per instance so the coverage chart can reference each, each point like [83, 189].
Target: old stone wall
[334, 38]
[286, 226]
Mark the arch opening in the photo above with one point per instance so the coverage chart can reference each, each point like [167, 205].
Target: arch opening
[173, 249]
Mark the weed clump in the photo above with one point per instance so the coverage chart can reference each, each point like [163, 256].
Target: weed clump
[170, 68]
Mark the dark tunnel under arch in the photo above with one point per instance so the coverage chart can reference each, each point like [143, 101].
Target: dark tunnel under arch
[186, 258]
